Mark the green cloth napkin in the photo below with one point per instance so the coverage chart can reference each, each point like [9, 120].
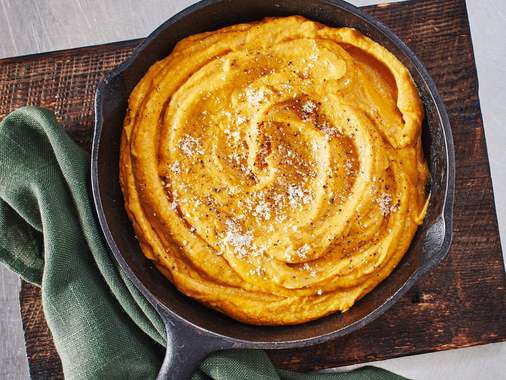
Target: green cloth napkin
[102, 327]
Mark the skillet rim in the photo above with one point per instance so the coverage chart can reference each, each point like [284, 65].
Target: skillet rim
[171, 317]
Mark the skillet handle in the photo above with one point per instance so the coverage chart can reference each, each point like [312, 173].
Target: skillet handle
[186, 348]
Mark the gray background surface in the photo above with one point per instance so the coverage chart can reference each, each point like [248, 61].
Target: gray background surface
[32, 26]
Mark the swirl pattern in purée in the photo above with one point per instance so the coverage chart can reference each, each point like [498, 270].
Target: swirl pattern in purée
[274, 170]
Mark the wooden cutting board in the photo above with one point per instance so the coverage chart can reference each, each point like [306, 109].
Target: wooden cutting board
[460, 303]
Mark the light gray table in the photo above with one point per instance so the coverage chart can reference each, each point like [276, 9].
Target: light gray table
[32, 26]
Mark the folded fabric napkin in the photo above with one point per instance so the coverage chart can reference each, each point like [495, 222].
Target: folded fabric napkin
[102, 326]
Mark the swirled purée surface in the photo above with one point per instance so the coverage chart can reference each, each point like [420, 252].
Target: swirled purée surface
[274, 170]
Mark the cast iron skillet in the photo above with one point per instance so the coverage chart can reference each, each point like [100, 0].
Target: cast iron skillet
[193, 331]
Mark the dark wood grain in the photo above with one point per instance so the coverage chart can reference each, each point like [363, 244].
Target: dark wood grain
[460, 303]
[42, 356]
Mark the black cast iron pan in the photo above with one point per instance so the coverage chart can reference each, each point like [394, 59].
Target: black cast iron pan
[193, 331]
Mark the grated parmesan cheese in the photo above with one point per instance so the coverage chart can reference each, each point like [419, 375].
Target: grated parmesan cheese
[254, 97]
[308, 107]
[238, 240]
[190, 145]
[384, 202]
[176, 168]
[303, 251]
[262, 210]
